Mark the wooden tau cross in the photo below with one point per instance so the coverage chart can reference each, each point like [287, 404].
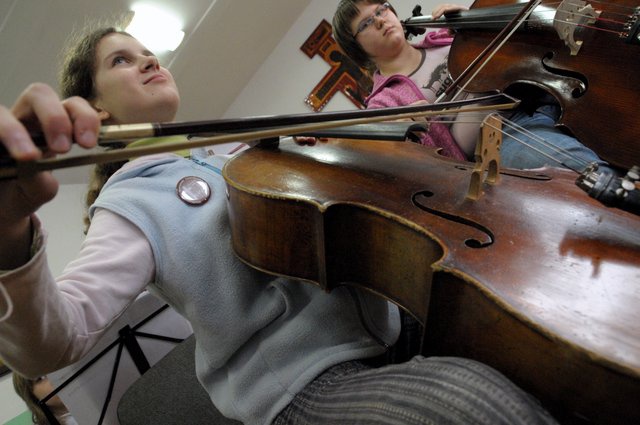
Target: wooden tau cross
[344, 76]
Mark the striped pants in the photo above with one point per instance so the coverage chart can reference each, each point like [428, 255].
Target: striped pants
[434, 390]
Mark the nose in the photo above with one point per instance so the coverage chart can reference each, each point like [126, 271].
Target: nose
[378, 21]
[149, 63]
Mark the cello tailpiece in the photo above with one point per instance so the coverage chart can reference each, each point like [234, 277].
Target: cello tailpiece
[611, 189]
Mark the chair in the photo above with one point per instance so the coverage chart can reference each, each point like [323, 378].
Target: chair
[170, 394]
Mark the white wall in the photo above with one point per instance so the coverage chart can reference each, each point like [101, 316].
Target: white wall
[10, 404]
[288, 75]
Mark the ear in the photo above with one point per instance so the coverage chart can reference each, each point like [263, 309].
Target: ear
[102, 114]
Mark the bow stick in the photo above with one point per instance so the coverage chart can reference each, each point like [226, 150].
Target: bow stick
[234, 130]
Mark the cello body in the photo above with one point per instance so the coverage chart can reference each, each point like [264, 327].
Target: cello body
[597, 87]
[533, 278]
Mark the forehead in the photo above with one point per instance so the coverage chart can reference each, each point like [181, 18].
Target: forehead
[365, 10]
[115, 42]
[366, 7]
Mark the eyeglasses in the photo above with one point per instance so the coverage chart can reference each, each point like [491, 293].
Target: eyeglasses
[380, 12]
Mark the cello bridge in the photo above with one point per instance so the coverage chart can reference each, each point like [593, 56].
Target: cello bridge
[571, 15]
[487, 156]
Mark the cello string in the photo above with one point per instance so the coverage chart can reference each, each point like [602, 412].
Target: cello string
[540, 140]
[530, 146]
[610, 20]
[491, 47]
[538, 17]
[599, 29]
[512, 125]
[495, 49]
[473, 24]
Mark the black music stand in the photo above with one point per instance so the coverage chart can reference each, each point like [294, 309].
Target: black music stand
[128, 337]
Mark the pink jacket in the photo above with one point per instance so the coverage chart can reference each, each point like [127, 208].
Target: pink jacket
[399, 90]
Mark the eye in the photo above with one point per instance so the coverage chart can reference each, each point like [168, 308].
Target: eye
[363, 26]
[369, 21]
[118, 60]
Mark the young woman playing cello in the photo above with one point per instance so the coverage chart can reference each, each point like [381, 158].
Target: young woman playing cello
[269, 349]
[371, 34]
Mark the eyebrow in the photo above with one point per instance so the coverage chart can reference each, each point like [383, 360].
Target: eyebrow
[358, 23]
[125, 52]
[370, 14]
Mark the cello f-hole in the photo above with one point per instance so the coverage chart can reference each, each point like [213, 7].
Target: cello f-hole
[482, 239]
[580, 88]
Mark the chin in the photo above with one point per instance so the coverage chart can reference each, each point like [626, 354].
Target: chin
[163, 111]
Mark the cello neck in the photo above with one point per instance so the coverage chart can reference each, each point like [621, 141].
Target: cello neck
[489, 18]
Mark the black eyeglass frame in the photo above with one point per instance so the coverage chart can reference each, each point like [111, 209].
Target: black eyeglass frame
[380, 11]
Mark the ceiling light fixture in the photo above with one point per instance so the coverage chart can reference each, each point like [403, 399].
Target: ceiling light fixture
[157, 29]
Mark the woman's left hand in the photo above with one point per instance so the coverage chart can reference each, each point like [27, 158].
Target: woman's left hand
[441, 9]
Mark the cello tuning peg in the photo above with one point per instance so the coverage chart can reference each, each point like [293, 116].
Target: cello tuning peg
[634, 173]
[627, 185]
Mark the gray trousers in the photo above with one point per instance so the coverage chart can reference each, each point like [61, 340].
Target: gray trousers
[434, 390]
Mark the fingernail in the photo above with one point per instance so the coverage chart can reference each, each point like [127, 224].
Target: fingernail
[61, 142]
[87, 137]
[21, 146]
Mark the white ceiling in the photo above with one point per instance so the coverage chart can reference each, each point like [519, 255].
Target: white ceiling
[225, 42]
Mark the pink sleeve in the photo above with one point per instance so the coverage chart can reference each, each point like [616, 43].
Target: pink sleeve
[56, 321]
[442, 37]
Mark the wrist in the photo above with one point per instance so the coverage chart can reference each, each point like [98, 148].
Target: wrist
[15, 244]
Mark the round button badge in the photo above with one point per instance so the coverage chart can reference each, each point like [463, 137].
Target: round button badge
[193, 190]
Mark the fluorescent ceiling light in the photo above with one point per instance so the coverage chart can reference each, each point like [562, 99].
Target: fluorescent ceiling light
[157, 29]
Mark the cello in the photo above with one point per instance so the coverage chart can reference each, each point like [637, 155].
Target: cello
[533, 278]
[584, 54]
[547, 298]
[483, 234]
[499, 279]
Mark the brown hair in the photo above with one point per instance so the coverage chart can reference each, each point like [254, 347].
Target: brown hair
[24, 388]
[346, 12]
[79, 64]
[76, 78]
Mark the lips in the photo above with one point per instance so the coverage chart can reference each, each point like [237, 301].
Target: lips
[154, 77]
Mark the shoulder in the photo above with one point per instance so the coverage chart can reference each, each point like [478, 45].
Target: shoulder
[144, 165]
[139, 182]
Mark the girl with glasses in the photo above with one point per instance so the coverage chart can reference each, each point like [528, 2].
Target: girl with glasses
[370, 33]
